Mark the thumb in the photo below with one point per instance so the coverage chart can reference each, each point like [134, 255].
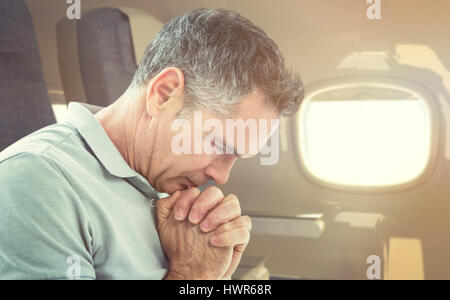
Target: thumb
[164, 207]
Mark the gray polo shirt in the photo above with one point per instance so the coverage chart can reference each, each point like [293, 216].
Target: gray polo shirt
[71, 207]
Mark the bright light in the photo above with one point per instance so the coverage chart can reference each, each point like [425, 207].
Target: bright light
[364, 142]
[60, 111]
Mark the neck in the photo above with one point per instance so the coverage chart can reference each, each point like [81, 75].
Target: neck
[121, 121]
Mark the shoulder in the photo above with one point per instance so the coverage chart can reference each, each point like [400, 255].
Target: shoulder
[29, 166]
[41, 142]
[32, 187]
[32, 183]
[36, 155]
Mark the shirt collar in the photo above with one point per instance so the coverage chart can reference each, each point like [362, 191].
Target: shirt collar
[82, 118]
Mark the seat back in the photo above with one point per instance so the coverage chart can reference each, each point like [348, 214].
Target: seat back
[98, 54]
[106, 55]
[24, 102]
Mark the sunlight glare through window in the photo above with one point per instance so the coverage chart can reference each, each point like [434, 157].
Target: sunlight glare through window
[366, 142]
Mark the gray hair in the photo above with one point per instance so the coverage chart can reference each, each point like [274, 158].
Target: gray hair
[223, 57]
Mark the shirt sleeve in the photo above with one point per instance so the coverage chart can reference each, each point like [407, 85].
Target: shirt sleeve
[45, 231]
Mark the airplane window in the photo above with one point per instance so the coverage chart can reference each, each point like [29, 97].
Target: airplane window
[365, 136]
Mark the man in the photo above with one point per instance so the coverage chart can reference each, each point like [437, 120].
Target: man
[75, 196]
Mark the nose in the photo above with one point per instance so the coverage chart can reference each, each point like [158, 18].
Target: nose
[219, 170]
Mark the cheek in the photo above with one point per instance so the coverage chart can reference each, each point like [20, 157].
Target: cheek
[194, 163]
[183, 165]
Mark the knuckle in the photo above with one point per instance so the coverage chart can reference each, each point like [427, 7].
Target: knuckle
[233, 196]
[182, 204]
[214, 190]
[233, 199]
[234, 208]
[187, 198]
[211, 195]
[199, 207]
[226, 240]
[227, 227]
[247, 221]
[245, 234]
[195, 191]
[192, 193]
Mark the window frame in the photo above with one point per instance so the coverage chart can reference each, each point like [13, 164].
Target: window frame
[411, 87]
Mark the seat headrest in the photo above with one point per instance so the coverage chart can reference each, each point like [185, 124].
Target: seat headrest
[98, 53]
[24, 102]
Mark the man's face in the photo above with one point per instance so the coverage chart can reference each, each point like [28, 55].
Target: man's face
[171, 171]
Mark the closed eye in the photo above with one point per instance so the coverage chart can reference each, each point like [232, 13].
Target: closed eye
[219, 149]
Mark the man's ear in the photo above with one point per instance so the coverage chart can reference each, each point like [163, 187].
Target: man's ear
[165, 90]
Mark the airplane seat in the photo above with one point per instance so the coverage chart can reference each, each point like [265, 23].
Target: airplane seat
[106, 54]
[98, 54]
[24, 103]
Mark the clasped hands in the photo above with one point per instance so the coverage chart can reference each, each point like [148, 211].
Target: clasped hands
[202, 233]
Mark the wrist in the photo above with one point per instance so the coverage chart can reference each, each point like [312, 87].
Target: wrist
[172, 275]
[178, 274]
